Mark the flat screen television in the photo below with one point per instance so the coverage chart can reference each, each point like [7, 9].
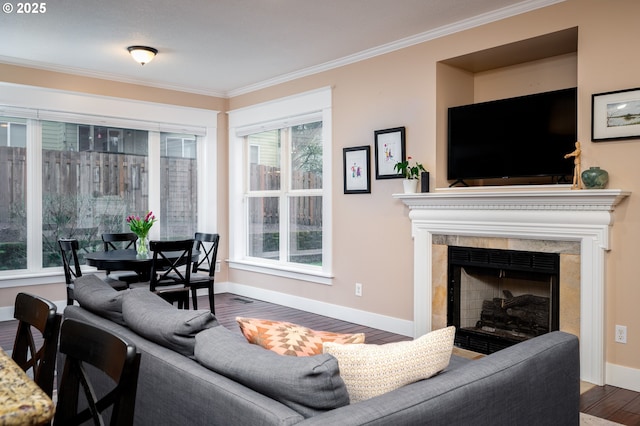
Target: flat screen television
[525, 136]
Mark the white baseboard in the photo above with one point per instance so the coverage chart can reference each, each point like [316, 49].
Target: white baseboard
[6, 313]
[623, 377]
[369, 319]
[616, 375]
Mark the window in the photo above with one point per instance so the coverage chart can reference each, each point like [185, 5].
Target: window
[13, 175]
[178, 186]
[280, 200]
[86, 192]
[297, 198]
[13, 132]
[74, 167]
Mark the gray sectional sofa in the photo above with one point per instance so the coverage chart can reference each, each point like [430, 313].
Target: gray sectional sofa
[533, 383]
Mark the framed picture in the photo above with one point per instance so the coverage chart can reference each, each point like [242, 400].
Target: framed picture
[390, 149]
[615, 115]
[357, 170]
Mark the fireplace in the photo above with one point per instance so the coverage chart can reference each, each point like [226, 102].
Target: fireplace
[497, 298]
[543, 213]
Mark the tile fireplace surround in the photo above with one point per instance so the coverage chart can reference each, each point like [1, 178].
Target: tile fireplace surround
[582, 216]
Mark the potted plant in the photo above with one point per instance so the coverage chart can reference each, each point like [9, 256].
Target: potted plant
[409, 173]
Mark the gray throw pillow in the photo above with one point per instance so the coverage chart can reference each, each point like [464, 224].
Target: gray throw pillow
[96, 296]
[157, 320]
[309, 385]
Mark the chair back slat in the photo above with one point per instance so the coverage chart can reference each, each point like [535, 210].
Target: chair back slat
[166, 270]
[84, 344]
[207, 244]
[34, 312]
[110, 240]
[70, 263]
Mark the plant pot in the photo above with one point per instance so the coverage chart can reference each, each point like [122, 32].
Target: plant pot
[410, 186]
[595, 178]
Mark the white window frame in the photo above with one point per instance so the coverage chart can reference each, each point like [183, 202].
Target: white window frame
[46, 104]
[284, 112]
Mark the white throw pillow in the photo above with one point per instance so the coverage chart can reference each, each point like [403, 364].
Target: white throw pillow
[371, 370]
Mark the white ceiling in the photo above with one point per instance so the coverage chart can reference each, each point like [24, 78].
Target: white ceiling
[229, 47]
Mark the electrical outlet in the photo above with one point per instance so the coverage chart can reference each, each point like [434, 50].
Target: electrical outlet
[358, 289]
[621, 333]
[217, 266]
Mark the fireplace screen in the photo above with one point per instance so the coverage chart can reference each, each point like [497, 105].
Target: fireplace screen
[501, 297]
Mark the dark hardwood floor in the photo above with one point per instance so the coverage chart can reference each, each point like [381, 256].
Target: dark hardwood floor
[607, 402]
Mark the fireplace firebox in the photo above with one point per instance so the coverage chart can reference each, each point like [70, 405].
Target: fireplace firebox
[497, 298]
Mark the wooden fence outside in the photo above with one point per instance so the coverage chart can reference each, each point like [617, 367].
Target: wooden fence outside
[308, 208]
[87, 193]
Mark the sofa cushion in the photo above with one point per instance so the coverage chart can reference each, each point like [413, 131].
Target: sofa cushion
[371, 370]
[309, 385]
[286, 338]
[159, 321]
[98, 297]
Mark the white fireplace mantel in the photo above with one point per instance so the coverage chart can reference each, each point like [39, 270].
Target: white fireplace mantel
[548, 214]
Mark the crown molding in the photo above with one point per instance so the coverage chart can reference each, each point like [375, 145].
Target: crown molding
[476, 21]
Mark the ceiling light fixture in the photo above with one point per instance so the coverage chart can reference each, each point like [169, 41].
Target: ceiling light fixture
[142, 54]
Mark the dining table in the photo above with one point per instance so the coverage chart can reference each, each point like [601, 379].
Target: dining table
[22, 401]
[130, 260]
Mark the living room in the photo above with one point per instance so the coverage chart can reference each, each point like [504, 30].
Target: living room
[410, 87]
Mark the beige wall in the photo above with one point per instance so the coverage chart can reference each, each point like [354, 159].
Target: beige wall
[371, 236]
[372, 242]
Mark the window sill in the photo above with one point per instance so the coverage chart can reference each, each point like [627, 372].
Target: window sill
[283, 271]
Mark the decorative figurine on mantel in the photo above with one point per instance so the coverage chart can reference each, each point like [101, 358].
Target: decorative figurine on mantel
[577, 183]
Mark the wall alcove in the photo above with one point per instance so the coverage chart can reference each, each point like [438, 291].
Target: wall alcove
[543, 63]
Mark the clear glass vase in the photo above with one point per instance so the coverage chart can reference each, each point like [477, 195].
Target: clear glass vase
[142, 246]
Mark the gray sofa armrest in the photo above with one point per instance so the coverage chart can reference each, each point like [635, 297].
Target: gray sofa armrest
[533, 383]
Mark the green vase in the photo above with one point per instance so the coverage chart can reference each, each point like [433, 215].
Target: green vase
[595, 178]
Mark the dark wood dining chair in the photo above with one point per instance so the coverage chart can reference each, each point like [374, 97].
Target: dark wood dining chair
[170, 275]
[204, 271]
[36, 355]
[84, 344]
[116, 241]
[71, 265]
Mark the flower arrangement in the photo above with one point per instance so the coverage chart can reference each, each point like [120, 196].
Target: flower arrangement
[140, 226]
[408, 171]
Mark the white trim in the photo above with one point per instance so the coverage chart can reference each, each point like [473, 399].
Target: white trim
[356, 316]
[311, 275]
[70, 106]
[280, 109]
[33, 197]
[279, 123]
[456, 27]
[623, 377]
[476, 21]
[343, 313]
[312, 102]
[39, 103]
[566, 215]
[109, 76]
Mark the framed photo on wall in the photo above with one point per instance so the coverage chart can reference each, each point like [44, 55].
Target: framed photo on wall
[615, 115]
[357, 170]
[390, 149]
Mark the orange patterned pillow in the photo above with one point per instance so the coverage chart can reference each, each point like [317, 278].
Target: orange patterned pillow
[286, 338]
